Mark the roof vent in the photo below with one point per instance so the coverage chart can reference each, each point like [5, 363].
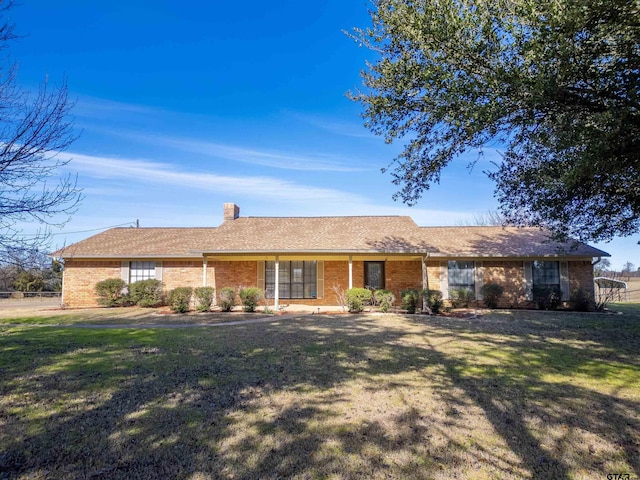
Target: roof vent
[231, 211]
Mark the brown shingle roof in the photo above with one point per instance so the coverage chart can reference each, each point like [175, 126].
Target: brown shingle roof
[496, 241]
[139, 242]
[319, 234]
[383, 234]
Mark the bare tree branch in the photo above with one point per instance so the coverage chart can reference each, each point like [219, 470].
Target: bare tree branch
[34, 129]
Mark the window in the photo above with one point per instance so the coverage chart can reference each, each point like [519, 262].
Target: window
[296, 279]
[141, 271]
[374, 275]
[461, 275]
[546, 274]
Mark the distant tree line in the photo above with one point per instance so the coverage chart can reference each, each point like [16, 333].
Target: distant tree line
[603, 269]
[36, 273]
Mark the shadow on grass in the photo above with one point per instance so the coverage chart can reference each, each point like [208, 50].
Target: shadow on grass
[353, 397]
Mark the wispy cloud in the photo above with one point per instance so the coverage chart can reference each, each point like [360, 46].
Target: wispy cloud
[283, 160]
[346, 129]
[95, 111]
[163, 173]
[98, 108]
[266, 158]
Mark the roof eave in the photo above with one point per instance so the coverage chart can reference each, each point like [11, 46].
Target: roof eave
[128, 255]
[318, 252]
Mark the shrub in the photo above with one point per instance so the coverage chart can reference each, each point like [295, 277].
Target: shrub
[227, 299]
[461, 297]
[179, 299]
[357, 297]
[204, 298]
[146, 293]
[547, 298]
[384, 299]
[410, 300]
[434, 300]
[491, 294]
[581, 300]
[111, 292]
[250, 297]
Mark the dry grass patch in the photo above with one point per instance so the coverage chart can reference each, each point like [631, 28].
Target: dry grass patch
[118, 316]
[506, 395]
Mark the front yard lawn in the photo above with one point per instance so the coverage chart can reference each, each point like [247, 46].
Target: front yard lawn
[121, 316]
[504, 395]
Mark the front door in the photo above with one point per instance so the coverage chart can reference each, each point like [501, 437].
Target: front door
[374, 275]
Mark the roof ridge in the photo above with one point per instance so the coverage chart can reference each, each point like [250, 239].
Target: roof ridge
[480, 226]
[160, 228]
[328, 216]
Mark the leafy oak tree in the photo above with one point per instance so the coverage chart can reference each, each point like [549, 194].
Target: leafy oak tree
[554, 84]
[34, 129]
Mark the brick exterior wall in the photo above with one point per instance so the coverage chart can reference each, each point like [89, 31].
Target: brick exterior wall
[403, 275]
[181, 273]
[81, 276]
[433, 275]
[509, 274]
[581, 276]
[232, 274]
[335, 274]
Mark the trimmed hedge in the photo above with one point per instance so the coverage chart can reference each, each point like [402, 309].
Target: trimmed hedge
[180, 299]
[111, 292]
[384, 299]
[204, 298]
[410, 300]
[434, 300]
[356, 299]
[491, 294]
[146, 293]
[547, 298]
[461, 297]
[227, 297]
[250, 297]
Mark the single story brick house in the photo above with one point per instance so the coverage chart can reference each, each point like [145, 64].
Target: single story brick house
[299, 260]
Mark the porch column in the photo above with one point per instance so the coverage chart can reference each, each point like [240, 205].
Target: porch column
[276, 291]
[350, 272]
[204, 271]
[425, 283]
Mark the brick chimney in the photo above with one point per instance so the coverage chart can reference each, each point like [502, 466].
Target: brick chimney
[231, 211]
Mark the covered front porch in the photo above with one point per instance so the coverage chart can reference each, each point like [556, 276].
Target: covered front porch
[311, 278]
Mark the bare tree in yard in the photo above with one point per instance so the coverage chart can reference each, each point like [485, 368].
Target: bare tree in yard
[34, 129]
[600, 269]
[627, 269]
[489, 218]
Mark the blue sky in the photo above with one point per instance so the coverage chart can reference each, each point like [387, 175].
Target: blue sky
[182, 106]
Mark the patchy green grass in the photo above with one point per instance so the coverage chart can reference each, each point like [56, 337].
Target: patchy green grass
[504, 395]
[121, 316]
